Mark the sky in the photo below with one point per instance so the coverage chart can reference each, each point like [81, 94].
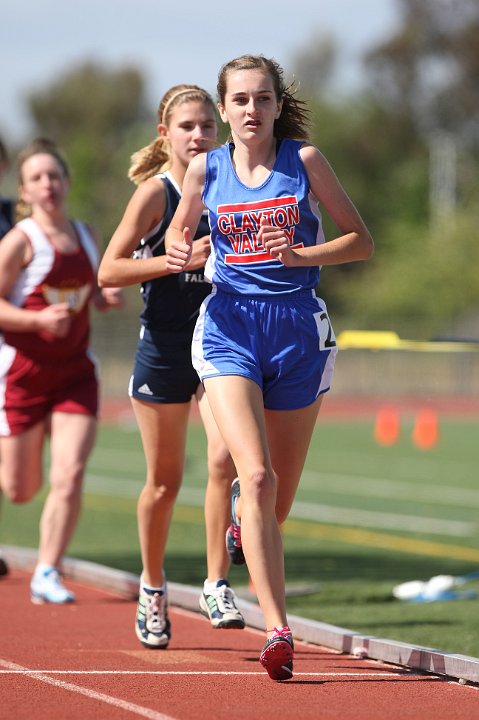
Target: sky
[172, 42]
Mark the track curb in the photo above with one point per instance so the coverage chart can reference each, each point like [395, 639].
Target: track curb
[431, 660]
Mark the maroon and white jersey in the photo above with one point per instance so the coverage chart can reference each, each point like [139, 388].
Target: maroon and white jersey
[55, 277]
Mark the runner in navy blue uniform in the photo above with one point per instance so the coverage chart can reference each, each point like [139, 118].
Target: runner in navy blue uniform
[164, 381]
[263, 345]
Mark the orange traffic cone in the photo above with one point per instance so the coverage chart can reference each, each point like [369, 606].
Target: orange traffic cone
[425, 434]
[387, 426]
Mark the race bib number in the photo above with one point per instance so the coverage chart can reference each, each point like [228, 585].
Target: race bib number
[74, 297]
[327, 338]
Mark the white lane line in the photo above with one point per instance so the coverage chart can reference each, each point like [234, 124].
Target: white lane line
[384, 520]
[334, 515]
[92, 694]
[46, 673]
[385, 488]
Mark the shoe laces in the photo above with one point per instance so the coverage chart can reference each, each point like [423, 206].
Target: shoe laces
[155, 611]
[236, 532]
[226, 596]
[283, 632]
[53, 578]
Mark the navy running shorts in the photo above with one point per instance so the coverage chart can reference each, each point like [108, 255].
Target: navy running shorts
[163, 372]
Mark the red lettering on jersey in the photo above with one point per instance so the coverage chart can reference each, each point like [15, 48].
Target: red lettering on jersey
[249, 223]
[289, 232]
[293, 214]
[246, 244]
[241, 222]
[256, 217]
[280, 218]
[224, 224]
[254, 257]
[235, 243]
[258, 245]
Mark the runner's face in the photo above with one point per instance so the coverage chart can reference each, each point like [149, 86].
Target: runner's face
[250, 105]
[44, 183]
[192, 129]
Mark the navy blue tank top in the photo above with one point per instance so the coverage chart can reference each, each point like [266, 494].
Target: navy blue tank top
[171, 302]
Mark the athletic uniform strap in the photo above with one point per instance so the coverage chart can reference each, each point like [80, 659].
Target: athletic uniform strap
[42, 262]
[88, 243]
[171, 302]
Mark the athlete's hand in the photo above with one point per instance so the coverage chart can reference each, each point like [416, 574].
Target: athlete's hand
[55, 319]
[178, 254]
[200, 253]
[275, 242]
[109, 298]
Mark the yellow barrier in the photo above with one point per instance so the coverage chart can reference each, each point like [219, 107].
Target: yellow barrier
[389, 340]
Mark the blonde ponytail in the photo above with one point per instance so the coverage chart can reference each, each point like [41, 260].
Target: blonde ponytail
[149, 161]
[22, 210]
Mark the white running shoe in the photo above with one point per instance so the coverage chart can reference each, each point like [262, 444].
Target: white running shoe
[219, 606]
[47, 586]
[152, 625]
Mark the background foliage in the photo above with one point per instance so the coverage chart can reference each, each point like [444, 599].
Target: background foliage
[405, 146]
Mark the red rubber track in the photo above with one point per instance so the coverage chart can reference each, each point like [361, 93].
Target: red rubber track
[103, 672]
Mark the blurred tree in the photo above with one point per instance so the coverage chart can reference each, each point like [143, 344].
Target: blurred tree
[388, 145]
[316, 63]
[97, 116]
[430, 66]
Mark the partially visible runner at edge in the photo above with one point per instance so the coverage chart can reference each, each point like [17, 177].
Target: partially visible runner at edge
[7, 221]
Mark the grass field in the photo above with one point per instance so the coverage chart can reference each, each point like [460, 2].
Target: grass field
[366, 518]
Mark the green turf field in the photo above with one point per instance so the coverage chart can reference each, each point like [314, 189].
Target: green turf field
[366, 518]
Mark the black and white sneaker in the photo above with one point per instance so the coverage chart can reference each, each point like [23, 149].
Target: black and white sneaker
[152, 625]
[219, 606]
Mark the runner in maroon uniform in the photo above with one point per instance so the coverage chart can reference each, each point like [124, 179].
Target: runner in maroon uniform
[48, 383]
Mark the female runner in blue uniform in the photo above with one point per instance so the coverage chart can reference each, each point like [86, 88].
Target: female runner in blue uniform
[263, 345]
[163, 380]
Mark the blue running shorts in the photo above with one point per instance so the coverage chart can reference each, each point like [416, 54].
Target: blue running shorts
[283, 343]
[162, 372]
